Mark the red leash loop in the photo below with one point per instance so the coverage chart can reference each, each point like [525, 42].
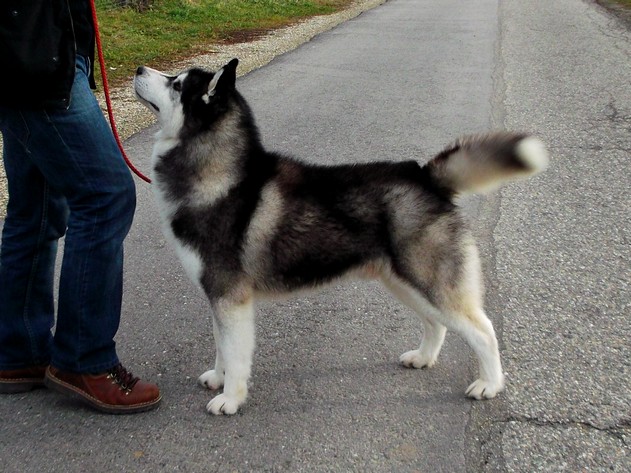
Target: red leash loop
[106, 91]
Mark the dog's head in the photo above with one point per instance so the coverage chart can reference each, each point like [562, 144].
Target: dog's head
[189, 102]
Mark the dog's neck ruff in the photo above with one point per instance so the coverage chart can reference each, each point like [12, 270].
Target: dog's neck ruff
[162, 146]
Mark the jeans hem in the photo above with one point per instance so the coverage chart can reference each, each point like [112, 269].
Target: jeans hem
[92, 369]
[23, 365]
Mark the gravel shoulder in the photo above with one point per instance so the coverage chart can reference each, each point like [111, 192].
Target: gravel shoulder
[131, 116]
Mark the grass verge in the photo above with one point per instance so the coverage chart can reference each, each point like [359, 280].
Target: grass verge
[173, 29]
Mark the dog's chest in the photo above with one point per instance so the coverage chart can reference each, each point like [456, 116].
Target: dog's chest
[189, 256]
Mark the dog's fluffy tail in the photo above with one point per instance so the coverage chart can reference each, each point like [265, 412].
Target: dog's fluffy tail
[481, 163]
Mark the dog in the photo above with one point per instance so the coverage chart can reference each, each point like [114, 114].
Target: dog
[248, 223]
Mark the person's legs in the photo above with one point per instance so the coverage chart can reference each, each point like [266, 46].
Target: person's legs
[101, 197]
[36, 219]
[72, 153]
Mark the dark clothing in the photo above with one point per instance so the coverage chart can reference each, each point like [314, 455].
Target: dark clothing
[39, 42]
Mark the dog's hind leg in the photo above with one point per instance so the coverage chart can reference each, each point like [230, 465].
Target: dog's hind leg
[433, 333]
[234, 336]
[460, 301]
[478, 331]
[470, 322]
[213, 379]
[475, 327]
[454, 288]
[431, 343]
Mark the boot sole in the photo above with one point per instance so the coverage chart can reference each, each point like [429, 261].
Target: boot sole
[60, 386]
[19, 386]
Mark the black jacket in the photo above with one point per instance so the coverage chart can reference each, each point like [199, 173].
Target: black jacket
[39, 41]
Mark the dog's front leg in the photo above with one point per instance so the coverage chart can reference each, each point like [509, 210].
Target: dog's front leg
[213, 379]
[234, 336]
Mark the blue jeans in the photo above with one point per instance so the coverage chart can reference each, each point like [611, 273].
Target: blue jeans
[65, 176]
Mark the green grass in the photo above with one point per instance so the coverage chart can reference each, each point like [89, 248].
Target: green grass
[622, 3]
[174, 29]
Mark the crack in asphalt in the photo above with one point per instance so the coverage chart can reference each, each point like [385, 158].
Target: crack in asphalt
[620, 430]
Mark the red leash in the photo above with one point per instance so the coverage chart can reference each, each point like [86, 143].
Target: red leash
[106, 90]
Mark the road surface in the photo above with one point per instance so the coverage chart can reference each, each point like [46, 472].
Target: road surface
[327, 394]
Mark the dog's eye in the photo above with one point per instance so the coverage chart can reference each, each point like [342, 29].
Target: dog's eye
[177, 86]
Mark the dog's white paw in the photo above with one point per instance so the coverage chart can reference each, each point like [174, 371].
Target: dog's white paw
[211, 379]
[415, 359]
[223, 405]
[482, 389]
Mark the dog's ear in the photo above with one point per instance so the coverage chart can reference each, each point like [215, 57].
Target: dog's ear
[223, 79]
[230, 72]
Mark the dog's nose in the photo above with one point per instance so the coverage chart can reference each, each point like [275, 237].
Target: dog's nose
[140, 70]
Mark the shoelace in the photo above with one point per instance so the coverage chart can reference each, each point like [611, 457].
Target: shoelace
[123, 378]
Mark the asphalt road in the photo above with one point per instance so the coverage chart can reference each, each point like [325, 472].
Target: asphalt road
[399, 82]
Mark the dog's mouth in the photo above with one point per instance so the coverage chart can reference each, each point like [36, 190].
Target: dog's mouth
[154, 106]
[148, 103]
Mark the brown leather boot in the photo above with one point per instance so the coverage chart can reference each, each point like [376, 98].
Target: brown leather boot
[22, 380]
[116, 391]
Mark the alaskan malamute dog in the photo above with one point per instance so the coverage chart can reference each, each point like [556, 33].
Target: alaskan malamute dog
[249, 223]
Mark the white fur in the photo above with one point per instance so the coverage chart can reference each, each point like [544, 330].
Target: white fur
[533, 153]
[152, 89]
[212, 86]
[234, 336]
